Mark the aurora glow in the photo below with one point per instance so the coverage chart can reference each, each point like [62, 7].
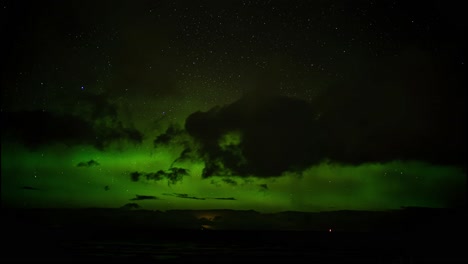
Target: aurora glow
[217, 113]
[60, 183]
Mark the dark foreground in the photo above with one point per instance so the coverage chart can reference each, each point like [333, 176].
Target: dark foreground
[28, 242]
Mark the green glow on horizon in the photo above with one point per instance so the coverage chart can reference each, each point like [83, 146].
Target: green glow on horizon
[60, 183]
[154, 103]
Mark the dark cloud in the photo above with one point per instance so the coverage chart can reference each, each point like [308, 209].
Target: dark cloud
[229, 181]
[144, 197]
[30, 188]
[173, 134]
[227, 198]
[216, 183]
[173, 175]
[176, 135]
[186, 196]
[38, 128]
[88, 164]
[135, 176]
[270, 134]
[265, 136]
[188, 154]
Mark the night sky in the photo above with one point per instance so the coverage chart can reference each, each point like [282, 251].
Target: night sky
[264, 105]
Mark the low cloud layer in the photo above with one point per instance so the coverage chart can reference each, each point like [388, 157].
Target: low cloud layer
[87, 164]
[173, 175]
[187, 196]
[144, 197]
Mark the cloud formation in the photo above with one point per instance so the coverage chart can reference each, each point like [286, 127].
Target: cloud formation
[226, 198]
[87, 164]
[144, 197]
[229, 181]
[173, 134]
[266, 136]
[187, 196]
[38, 128]
[184, 196]
[173, 175]
[261, 136]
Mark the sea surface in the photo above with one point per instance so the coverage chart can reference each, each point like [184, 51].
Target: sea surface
[114, 236]
[169, 246]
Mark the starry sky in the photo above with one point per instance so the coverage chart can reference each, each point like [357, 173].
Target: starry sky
[264, 105]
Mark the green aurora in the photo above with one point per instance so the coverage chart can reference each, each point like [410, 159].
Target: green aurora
[271, 105]
[59, 182]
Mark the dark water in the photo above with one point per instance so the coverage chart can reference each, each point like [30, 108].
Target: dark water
[144, 246]
[114, 236]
